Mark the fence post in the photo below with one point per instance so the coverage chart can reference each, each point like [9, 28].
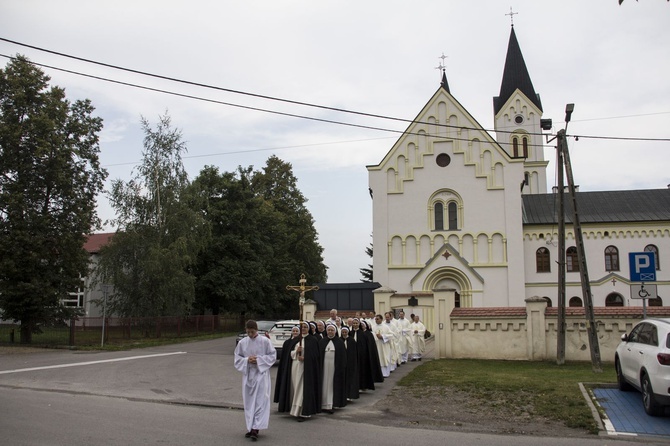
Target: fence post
[72, 327]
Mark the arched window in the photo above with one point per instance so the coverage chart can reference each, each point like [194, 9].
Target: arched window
[654, 249]
[548, 301]
[542, 260]
[515, 147]
[657, 302]
[571, 260]
[611, 258]
[439, 216]
[452, 211]
[575, 302]
[524, 142]
[614, 300]
[445, 210]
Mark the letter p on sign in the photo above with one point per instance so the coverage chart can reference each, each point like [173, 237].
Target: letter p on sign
[642, 266]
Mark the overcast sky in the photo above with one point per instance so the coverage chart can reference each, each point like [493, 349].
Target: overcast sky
[371, 56]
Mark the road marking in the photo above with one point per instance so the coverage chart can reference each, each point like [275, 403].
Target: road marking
[76, 364]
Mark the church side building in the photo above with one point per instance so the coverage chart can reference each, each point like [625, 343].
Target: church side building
[456, 208]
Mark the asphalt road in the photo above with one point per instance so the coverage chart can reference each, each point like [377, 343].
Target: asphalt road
[187, 394]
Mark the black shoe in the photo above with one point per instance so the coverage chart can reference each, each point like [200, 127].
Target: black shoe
[247, 435]
[419, 359]
[301, 419]
[254, 434]
[329, 412]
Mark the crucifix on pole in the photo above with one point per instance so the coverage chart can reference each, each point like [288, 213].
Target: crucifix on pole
[301, 289]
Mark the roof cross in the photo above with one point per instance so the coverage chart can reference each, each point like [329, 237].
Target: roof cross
[511, 16]
[442, 66]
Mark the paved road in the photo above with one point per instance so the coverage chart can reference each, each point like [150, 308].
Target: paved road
[180, 395]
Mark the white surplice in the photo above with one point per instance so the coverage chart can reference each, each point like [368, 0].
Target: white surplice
[383, 346]
[256, 393]
[417, 343]
[403, 338]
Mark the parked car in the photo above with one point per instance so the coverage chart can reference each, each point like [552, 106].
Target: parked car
[642, 361]
[280, 333]
[263, 329]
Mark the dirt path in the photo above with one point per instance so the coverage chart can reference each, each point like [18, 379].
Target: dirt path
[443, 408]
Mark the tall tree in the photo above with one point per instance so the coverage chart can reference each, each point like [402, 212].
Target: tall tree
[367, 272]
[263, 238]
[296, 249]
[231, 271]
[149, 261]
[49, 180]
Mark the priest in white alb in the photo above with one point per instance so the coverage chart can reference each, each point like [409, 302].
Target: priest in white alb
[254, 357]
[403, 336]
[383, 339]
[417, 344]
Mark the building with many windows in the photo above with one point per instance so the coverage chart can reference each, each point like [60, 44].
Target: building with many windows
[456, 207]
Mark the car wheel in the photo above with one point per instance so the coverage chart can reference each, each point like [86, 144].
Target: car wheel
[648, 400]
[621, 381]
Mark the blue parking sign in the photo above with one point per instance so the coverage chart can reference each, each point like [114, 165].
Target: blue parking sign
[642, 266]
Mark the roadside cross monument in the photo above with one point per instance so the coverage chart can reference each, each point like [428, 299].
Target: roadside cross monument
[301, 289]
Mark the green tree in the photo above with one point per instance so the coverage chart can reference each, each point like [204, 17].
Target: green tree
[263, 238]
[296, 247]
[149, 260]
[50, 177]
[367, 272]
[232, 270]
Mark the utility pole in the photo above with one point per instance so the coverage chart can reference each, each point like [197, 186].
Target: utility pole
[560, 329]
[581, 252]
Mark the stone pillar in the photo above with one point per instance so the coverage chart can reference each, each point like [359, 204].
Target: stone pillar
[444, 301]
[309, 310]
[536, 328]
[382, 296]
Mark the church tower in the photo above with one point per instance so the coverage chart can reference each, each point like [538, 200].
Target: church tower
[517, 113]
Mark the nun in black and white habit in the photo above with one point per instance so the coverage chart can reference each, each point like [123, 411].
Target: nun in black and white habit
[298, 386]
[334, 369]
[352, 377]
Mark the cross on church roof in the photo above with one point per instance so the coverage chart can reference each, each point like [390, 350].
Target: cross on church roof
[511, 16]
[442, 66]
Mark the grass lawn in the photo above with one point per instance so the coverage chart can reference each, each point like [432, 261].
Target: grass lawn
[538, 388]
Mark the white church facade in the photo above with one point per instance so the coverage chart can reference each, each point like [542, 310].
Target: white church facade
[455, 207]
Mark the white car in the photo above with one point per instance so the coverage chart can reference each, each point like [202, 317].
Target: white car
[263, 328]
[280, 333]
[642, 361]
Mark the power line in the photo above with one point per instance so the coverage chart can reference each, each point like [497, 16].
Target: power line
[235, 152]
[293, 115]
[255, 95]
[272, 98]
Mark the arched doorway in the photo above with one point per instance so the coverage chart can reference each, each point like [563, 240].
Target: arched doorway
[614, 300]
[451, 278]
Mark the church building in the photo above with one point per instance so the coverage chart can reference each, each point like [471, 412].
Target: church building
[456, 207]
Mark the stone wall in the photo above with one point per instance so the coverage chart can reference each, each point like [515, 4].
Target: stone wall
[517, 333]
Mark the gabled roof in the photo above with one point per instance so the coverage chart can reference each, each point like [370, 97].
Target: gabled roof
[443, 91]
[625, 206]
[515, 76]
[97, 241]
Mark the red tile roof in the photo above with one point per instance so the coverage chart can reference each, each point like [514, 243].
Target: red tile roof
[489, 312]
[97, 241]
[613, 311]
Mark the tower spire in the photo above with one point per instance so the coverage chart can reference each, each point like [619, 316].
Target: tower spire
[515, 76]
